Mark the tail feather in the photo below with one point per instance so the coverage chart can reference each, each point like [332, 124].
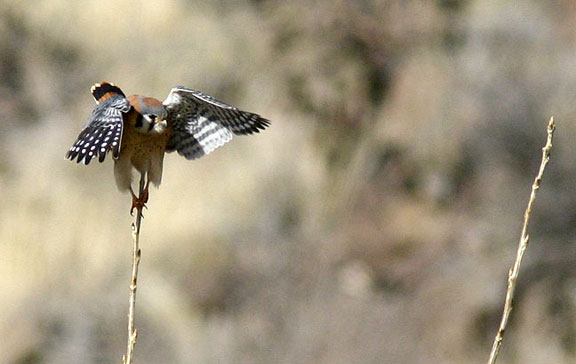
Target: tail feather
[104, 90]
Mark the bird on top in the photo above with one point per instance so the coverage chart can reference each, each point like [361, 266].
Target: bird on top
[139, 130]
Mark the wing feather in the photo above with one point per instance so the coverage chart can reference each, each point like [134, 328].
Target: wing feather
[201, 123]
[102, 132]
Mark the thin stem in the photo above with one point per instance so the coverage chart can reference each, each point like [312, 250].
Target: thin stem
[136, 253]
[523, 244]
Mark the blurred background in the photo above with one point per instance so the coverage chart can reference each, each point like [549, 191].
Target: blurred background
[373, 222]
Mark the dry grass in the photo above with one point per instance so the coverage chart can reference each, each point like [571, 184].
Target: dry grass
[514, 271]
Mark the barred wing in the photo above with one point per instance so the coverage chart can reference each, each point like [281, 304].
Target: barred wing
[102, 132]
[202, 123]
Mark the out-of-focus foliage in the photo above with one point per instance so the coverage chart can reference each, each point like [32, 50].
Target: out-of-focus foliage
[374, 222]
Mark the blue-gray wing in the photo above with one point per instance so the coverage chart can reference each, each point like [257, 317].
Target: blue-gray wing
[102, 132]
[202, 123]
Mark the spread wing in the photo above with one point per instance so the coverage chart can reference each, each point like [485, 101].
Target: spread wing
[102, 132]
[202, 123]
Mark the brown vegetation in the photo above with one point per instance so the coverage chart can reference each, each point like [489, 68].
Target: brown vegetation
[374, 222]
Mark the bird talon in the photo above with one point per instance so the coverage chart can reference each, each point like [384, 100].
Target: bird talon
[139, 203]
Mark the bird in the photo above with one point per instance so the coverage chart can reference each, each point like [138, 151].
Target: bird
[139, 130]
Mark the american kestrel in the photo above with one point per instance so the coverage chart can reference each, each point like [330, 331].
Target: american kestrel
[138, 130]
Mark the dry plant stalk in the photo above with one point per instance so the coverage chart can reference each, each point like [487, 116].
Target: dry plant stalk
[132, 332]
[524, 239]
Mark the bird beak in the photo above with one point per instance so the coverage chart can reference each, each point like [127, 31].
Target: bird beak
[160, 126]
